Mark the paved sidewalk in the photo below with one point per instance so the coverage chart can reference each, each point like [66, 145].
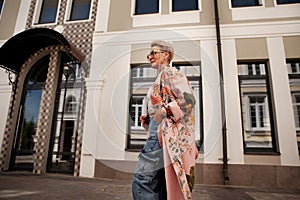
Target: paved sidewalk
[25, 185]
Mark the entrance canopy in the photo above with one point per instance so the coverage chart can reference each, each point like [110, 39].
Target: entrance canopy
[21, 46]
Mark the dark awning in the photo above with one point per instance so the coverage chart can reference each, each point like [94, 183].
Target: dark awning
[18, 48]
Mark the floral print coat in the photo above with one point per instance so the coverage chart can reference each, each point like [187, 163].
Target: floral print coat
[177, 137]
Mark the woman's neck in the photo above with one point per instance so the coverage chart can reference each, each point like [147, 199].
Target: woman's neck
[162, 67]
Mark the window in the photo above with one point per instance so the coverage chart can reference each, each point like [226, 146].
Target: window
[71, 104]
[137, 72]
[137, 109]
[293, 67]
[258, 116]
[146, 7]
[80, 10]
[294, 80]
[287, 1]
[193, 73]
[244, 3]
[296, 108]
[48, 11]
[257, 121]
[182, 5]
[1, 5]
[142, 77]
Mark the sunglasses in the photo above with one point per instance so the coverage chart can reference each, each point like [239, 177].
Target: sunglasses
[152, 53]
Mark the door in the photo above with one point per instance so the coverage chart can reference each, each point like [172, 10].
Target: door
[63, 140]
[25, 138]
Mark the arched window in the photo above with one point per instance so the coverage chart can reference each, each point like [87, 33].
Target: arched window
[71, 104]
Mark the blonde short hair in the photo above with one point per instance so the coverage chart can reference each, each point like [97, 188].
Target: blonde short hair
[165, 46]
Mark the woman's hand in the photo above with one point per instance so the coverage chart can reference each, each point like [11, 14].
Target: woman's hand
[144, 120]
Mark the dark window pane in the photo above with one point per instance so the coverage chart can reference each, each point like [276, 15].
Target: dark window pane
[80, 9]
[1, 5]
[146, 6]
[287, 1]
[141, 73]
[298, 112]
[257, 68]
[297, 99]
[134, 72]
[180, 5]
[48, 11]
[261, 115]
[242, 3]
[253, 116]
[250, 69]
[293, 67]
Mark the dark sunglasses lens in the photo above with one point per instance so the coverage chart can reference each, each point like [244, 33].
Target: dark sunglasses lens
[150, 54]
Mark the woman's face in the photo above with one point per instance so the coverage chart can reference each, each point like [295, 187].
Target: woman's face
[156, 57]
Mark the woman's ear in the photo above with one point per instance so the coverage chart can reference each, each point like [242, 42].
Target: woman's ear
[167, 55]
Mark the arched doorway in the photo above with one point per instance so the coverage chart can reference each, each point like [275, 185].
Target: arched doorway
[26, 129]
[38, 58]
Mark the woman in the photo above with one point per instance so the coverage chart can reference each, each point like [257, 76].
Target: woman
[166, 164]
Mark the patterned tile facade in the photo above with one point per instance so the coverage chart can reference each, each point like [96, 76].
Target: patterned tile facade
[79, 34]
[80, 130]
[44, 127]
[9, 133]
[7, 138]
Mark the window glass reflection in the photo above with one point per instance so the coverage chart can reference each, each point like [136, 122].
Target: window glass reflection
[48, 11]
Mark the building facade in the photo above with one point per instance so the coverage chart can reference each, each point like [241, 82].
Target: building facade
[74, 76]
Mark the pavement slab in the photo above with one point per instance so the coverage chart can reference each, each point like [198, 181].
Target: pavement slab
[25, 185]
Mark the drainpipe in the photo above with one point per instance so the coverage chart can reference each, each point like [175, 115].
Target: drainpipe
[224, 136]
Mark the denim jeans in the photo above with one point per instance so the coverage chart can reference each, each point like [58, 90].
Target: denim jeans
[148, 182]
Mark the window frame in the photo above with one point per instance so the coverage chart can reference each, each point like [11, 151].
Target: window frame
[139, 131]
[71, 104]
[292, 76]
[159, 3]
[137, 107]
[263, 12]
[171, 5]
[290, 70]
[38, 12]
[148, 82]
[245, 111]
[279, 4]
[199, 100]
[259, 3]
[294, 96]
[69, 12]
[248, 105]
[171, 18]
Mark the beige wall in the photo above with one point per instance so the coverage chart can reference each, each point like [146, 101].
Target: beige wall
[119, 15]
[120, 18]
[269, 3]
[251, 48]
[256, 48]
[292, 46]
[8, 18]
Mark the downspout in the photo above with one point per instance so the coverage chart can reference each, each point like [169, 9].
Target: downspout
[224, 134]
